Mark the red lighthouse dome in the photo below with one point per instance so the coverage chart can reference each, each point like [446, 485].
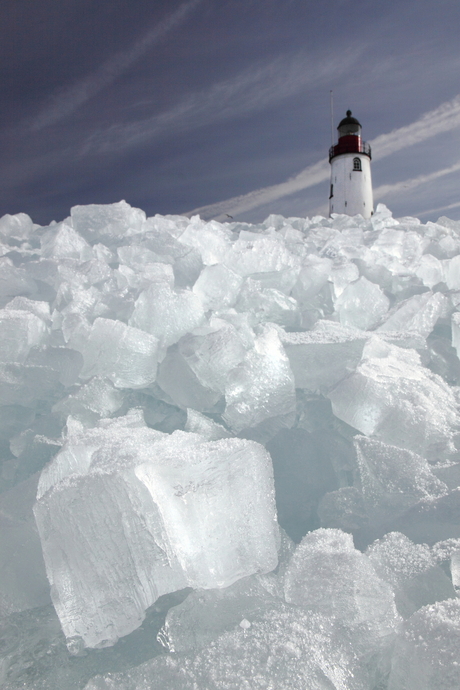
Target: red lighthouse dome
[349, 138]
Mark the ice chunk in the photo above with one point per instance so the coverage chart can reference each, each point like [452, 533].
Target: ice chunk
[213, 351]
[411, 570]
[253, 253]
[313, 276]
[322, 357]
[218, 287]
[212, 240]
[419, 313]
[287, 649]
[13, 419]
[14, 281]
[392, 397]
[426, 651]
[19, 226]
[40, 309]
[126, 513]
[405, 245]
[166, 313]
[65, 362]
[328, 575]
[126, 356]
[262, 386]
[268, 304]
[182, 386]
[452, 273]
[61, 241]
[93, 400]
[362, 304]
[20, 331]
[343, 273]
[138, 257]
[393, 479]
[107, 222]
[429, 270]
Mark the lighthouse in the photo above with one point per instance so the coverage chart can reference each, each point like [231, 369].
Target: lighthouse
[351, 183]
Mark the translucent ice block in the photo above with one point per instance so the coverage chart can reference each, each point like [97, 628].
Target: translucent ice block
[262, 386]
[362, 304]
[322, 357]
[392, 397]
[126, 514]
[125, 355]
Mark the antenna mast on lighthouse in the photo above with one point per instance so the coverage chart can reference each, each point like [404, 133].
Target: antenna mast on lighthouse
[332, 118]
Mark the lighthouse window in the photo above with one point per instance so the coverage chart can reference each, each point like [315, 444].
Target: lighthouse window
[332, 192]
[356, 164]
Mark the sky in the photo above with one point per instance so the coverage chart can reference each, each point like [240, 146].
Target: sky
[222, 107]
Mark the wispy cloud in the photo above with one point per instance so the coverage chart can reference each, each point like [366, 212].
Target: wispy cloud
[69, 100]
[250, 91]
[430, 211]
[442, 119]
[407, 185]
[308, 177]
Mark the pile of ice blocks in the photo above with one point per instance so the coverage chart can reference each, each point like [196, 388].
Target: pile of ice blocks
[262, 417]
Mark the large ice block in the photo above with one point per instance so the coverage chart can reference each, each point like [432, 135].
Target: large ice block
[393, 479]
[218, 287]
[20, 331]
[362, 304]
[126, 514]
[18, 226]
[392, 397]
[419, 313]
[125, 355]
[268, 304]
[262, 386]
[61, 241]
[456, 332]
[212, 351]
[212, 240]
[327, 575]
[252, 253]
[14, 281]
[107, 222]
[166, 313]
[182, 386]
[322, 357]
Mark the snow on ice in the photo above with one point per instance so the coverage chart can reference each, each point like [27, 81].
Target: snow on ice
[230, 452]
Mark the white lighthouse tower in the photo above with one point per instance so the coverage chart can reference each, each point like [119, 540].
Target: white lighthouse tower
[351, 183]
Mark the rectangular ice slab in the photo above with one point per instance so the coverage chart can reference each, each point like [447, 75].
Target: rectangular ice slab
[126, 514]
[322, 357]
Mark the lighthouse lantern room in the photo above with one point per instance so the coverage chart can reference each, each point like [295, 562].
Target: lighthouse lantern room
[351, 182]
